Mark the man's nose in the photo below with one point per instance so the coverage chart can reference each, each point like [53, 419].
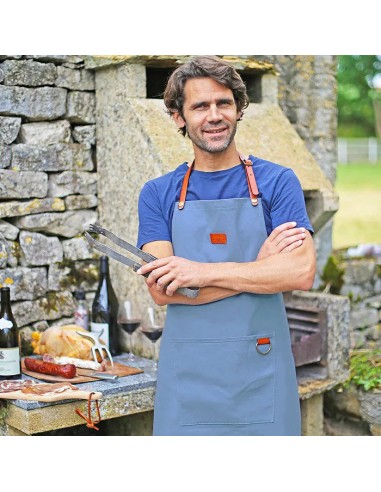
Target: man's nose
[214, 113]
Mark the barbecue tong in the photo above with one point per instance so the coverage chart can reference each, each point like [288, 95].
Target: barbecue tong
[191, 292]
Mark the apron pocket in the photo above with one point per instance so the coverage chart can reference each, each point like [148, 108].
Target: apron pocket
[225, 381]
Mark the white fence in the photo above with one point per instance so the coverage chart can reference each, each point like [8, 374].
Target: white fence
[359, 150]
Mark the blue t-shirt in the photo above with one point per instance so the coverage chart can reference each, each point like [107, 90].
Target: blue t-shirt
[281, 193]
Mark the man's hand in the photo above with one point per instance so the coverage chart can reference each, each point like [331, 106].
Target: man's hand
[283, 238]
[169, 273]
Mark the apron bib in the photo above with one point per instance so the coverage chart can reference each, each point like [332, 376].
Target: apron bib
[225, 368]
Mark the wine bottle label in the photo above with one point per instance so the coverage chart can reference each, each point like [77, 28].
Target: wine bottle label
[98, 327]
[9, 361]
[5, 323]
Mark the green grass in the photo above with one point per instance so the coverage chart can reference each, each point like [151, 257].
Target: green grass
[358, 219]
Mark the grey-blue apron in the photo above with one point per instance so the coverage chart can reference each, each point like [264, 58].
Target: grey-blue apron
[225, 368]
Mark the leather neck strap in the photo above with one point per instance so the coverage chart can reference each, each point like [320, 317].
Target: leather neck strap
[252, 184]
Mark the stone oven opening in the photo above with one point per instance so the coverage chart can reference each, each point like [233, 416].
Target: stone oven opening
[157, 77]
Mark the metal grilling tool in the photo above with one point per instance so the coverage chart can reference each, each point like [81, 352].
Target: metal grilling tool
[98, 347]
[190, 292]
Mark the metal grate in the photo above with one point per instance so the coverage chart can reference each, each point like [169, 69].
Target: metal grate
[308, 330]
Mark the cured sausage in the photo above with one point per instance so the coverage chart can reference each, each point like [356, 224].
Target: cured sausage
[67, 370]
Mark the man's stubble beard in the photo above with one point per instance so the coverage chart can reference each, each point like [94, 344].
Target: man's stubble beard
[202, 145]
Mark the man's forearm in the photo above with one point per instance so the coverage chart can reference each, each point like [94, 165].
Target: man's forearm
[280, 272]
[206, 296]
[277, 273]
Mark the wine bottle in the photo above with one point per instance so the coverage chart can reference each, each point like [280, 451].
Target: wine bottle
[10, 361]
[81, 315]
[104, 312]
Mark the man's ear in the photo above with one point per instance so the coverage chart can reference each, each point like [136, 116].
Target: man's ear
[179, 120]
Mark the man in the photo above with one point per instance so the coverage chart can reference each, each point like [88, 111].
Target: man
[237, 229]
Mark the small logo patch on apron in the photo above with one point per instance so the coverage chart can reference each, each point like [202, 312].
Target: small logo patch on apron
[219, 238]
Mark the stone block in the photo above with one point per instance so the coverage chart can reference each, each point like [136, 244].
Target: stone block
[39, 249]
[361, 318]
[66, 224]
[3, 252]
[5, 156]
[9, 129]
[26, 284]
[77, 249]
[45, 133]
[359, 271]
[28, 73]
[84, 134]
[127, 80]
[41, 103]
[76, 80]
[36, 206]
[24, 184]
[312, 416]
[370, 406]
[68, 182]
[375, 430]
[8, 230]
[59, 157]
[76, 202]
[71, 276]
[57, 58]
[357, 292]
[80, 107]
[53, 306]
[14, 253]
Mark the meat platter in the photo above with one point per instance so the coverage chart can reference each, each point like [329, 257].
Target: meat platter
[45, 392]
[83, 375]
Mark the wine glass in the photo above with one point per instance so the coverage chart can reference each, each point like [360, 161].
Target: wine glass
[129, 325]
[153, 332]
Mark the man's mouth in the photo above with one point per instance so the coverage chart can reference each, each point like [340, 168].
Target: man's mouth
[215, 131]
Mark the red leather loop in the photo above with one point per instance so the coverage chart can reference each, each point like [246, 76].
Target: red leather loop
[89, 422]
[251, 183]
[184, 187]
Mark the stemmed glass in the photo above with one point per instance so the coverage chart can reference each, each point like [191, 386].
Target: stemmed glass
[153, 332]
[129, 325]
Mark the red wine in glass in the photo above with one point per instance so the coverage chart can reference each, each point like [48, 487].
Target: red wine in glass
[153, 334]
[129, 325]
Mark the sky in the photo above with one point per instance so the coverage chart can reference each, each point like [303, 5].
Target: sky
[196, 27]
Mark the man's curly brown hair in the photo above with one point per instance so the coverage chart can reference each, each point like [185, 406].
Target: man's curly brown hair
[198, 67]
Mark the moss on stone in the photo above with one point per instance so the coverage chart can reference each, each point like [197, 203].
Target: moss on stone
[76, 276]
[333, 275]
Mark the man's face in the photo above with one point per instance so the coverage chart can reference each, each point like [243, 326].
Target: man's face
[209, 113]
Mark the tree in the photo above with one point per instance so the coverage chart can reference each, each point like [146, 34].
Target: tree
[356, 94]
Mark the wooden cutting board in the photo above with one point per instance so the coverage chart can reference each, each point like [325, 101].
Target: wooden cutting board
[83, 375]
[66, 395]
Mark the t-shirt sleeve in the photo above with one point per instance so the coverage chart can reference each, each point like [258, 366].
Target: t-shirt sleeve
[288, 203]
[152, 223]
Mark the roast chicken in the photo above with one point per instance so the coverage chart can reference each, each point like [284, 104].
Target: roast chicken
[62, 341]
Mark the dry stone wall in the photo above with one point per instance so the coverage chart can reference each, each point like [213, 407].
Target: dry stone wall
[48, 178]
[48, 186]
